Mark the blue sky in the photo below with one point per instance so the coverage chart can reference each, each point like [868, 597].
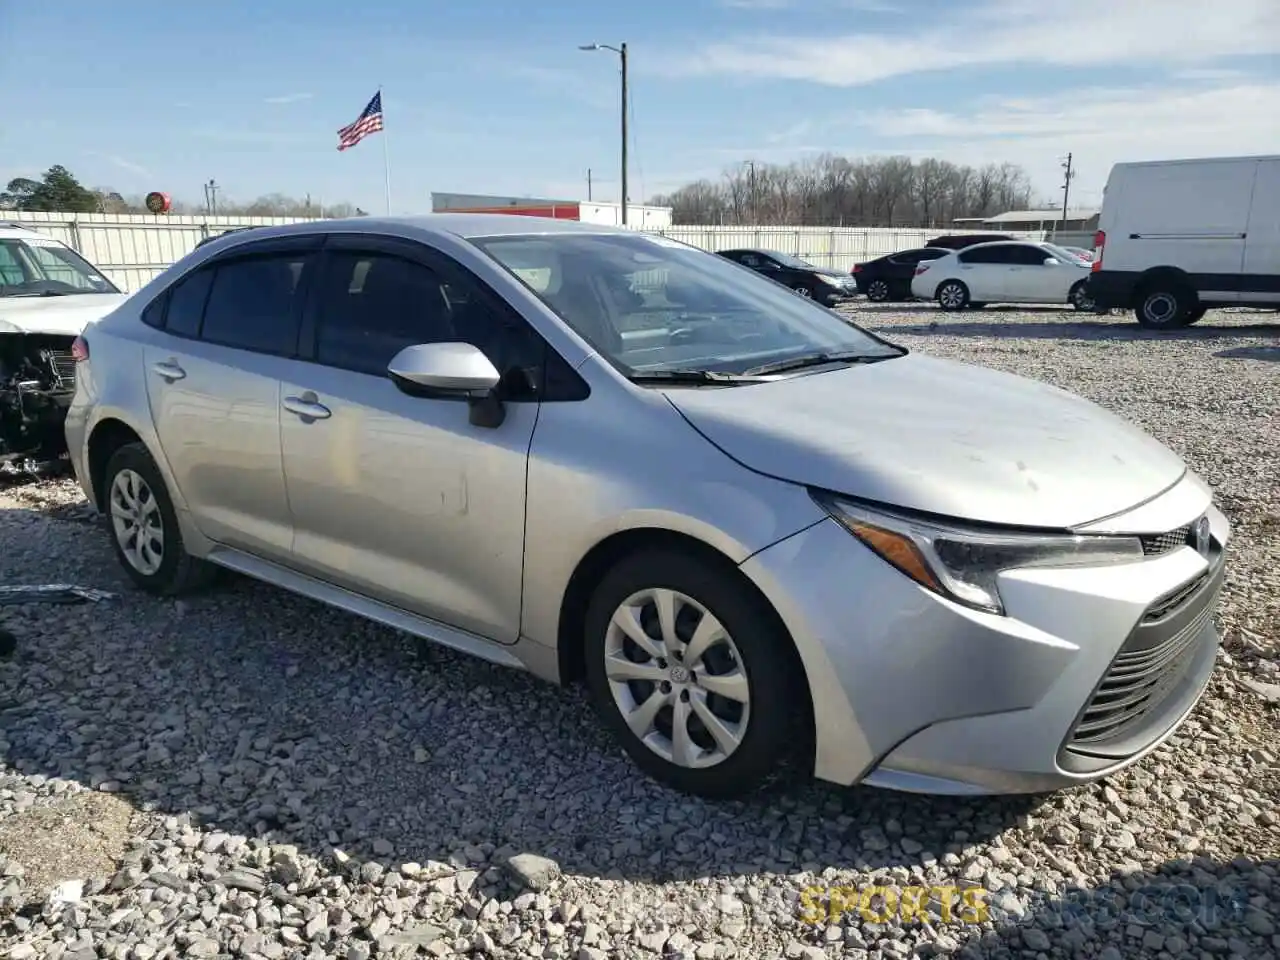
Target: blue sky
[493, 96]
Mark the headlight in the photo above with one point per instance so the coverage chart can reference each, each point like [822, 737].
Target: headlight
[963, 564]
[833, 281]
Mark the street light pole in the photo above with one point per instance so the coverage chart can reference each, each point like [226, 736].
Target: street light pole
[621, 51]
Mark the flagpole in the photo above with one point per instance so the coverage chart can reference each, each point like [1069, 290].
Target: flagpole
[386, 161]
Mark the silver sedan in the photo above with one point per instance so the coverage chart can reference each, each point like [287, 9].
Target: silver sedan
[765, 538]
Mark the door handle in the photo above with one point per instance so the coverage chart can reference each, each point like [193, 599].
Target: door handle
[307, 407]
[169, 370]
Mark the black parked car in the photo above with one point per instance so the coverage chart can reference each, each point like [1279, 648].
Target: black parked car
[826, 286]
[889, 277]
[958, 241]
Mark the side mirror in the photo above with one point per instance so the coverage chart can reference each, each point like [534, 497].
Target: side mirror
[450, 371]
[1050, 261]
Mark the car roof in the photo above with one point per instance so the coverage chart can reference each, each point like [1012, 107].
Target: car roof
[16, 231]
[465, 225]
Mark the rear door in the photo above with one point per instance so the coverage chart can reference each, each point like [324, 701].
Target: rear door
[214, 389]
[1260, 277]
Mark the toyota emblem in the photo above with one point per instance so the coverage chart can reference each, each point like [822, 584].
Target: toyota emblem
[1202, 537]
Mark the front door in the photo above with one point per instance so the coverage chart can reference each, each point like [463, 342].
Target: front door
[213, 386]
[985, 271]
[398, 497]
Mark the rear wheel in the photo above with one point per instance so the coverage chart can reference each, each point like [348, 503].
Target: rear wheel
[1196, 315]
[953, 295]
[144, 526]
[691, 672]
[1166, 306]
[1080, 299]
[878, 291]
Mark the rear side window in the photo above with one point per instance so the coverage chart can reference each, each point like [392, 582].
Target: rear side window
[186, 304]
[999, 254]
[251, 304]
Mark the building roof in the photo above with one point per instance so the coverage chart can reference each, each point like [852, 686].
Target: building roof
[1040, 216]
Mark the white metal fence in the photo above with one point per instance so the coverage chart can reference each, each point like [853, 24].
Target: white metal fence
[132, 249]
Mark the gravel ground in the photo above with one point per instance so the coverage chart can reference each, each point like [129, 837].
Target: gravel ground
[192, 779]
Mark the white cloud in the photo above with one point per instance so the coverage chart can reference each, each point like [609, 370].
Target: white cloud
[1099, 127]
[288, 98]
[1080, 33]
[122, 163]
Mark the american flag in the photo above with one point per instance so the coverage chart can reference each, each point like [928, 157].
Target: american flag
[369, 121]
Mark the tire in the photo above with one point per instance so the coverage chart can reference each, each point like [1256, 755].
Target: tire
[1080, 299]
[977, 306]
[133, 491]
[1165, 306]
[803, 292]
[952, 295]
[757, 651]
[878, 291]
[1196, 315]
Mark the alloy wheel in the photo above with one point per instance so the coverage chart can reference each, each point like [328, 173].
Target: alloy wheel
[677, 678]
[136, 522]
[878, 290]
[951, 296]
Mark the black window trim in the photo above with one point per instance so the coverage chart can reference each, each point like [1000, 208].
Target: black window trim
[310, 244]
[447, 268]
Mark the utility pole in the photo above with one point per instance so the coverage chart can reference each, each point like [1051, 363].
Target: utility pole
[1066, 188]
[211, 197]
[621, 51]
[623, 56]
[588, 184]
[751, 190]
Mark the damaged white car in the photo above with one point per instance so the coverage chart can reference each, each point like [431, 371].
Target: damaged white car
[48, 294]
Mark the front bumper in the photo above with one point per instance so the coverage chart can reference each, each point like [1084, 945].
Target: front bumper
[914, 692]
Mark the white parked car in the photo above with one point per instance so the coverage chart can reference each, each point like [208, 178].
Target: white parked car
[48, 294]
[1009, 271]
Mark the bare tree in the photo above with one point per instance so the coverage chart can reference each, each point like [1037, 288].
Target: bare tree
[830, 190]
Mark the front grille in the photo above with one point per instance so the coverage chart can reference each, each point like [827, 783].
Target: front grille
[1157, 543]
[1150, 664]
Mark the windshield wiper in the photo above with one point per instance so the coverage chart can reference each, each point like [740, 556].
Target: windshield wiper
[815, 360]
[691, 376]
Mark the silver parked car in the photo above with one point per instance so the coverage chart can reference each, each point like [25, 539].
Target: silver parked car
[759, 533]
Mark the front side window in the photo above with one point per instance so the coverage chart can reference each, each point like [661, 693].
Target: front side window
[252, 303]
[652, 304]
[45, 267]
[374, 304]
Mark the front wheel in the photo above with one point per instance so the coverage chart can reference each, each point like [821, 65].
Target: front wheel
[953, 295]
[144, 526]
[687, 668]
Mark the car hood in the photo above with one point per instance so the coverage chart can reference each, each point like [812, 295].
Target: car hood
[938, 436]
[67, 316]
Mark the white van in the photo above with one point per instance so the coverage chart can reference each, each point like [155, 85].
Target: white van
[1177, 237]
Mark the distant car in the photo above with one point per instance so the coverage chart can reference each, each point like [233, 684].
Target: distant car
[826, 286]
[889, 277]
[958, 241]
[48, 293]
[1010, 272]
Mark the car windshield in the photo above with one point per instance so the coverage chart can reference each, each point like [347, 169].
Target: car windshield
[652, 305]
[46, 268]
[1062, 253]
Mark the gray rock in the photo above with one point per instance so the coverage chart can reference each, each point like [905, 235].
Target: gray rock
[535, 872]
